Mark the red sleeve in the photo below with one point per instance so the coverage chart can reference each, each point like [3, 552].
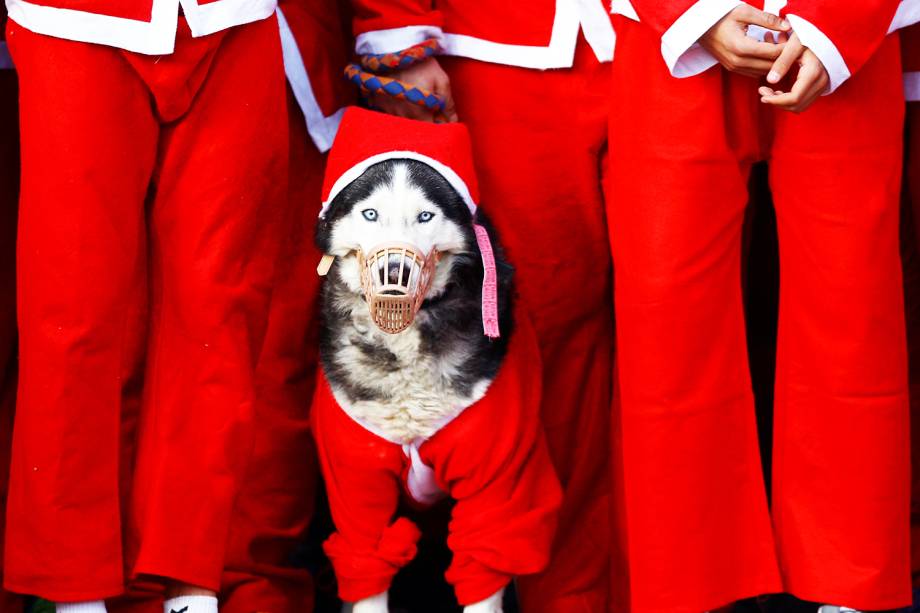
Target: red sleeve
[493, 460]
[372, 15]
[361, 472]
[856, 28]
[660, 15]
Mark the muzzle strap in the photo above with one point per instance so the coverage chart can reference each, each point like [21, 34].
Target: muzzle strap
[489, 283]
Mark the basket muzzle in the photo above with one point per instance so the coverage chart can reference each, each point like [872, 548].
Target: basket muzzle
[395, 278]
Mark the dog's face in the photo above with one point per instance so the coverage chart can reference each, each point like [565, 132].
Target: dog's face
[396, 201]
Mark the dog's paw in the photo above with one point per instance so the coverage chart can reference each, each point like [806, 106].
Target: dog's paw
[373, 604]
[492, 604]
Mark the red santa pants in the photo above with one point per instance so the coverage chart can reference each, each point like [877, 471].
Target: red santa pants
[275, 502]
[699, 530]
[539, 140]
[274, 506]
[140, 172]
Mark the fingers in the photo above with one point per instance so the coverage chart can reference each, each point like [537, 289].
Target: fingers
[751, 67]
[401, 108]
[427, 76]
[748, 15]
[810, 83]
[730, 44]
[792, 51]
[750, 48]
[442, 89]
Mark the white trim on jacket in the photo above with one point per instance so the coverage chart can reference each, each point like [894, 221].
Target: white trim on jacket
[321, 129]
[572, 17]
[154, 37]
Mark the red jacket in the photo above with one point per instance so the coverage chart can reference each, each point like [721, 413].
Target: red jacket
[492, 458]
[315, 54]
[144, 26]
[843, 35]
[537, 34]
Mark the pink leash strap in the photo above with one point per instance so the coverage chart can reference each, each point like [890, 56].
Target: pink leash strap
[489, 283]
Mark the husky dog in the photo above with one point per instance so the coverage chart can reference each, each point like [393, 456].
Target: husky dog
[406, 385]
[403, 383]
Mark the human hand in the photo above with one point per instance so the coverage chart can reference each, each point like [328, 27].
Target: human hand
[811, 81]
[427, 75]
[729, 43]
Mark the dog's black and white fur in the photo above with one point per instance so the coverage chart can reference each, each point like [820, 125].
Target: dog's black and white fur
[407, 385]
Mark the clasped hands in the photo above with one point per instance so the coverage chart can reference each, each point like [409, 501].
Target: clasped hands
[729, 43]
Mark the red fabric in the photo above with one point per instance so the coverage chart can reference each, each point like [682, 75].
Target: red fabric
[910, 49]
[364, 134]
[274, 506]
[119, 121]
[370, 15]
[9, 194]
[856, 31]
[540, 176]
[321, 40]
[533, 21]
[660, 15]
[492, 459]
[912, 290]
[541, 180]
[679, 162]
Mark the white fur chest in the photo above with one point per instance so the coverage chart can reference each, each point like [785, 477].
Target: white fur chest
[414, 387]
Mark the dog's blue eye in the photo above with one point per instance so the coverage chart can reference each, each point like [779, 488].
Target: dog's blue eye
[425, 216]
[370, 214]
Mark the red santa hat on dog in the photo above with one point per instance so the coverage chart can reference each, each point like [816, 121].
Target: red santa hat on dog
[366, 138]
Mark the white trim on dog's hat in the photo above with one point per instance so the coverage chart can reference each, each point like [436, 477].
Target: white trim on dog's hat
[358, 169]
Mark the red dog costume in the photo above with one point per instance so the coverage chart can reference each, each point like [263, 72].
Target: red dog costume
[539, 142]
[119, 123]
[491, 458]
[699, 531]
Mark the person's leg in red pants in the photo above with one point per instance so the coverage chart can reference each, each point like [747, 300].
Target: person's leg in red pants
[215, 229]
[275, 503]
[203, 132]
[540, 169]
[699, 532]
[841, 462]
[86, 166]
[9, 195]
[696, 517]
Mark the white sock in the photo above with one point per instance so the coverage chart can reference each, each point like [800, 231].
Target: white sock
[88, 606]
[191, 604]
